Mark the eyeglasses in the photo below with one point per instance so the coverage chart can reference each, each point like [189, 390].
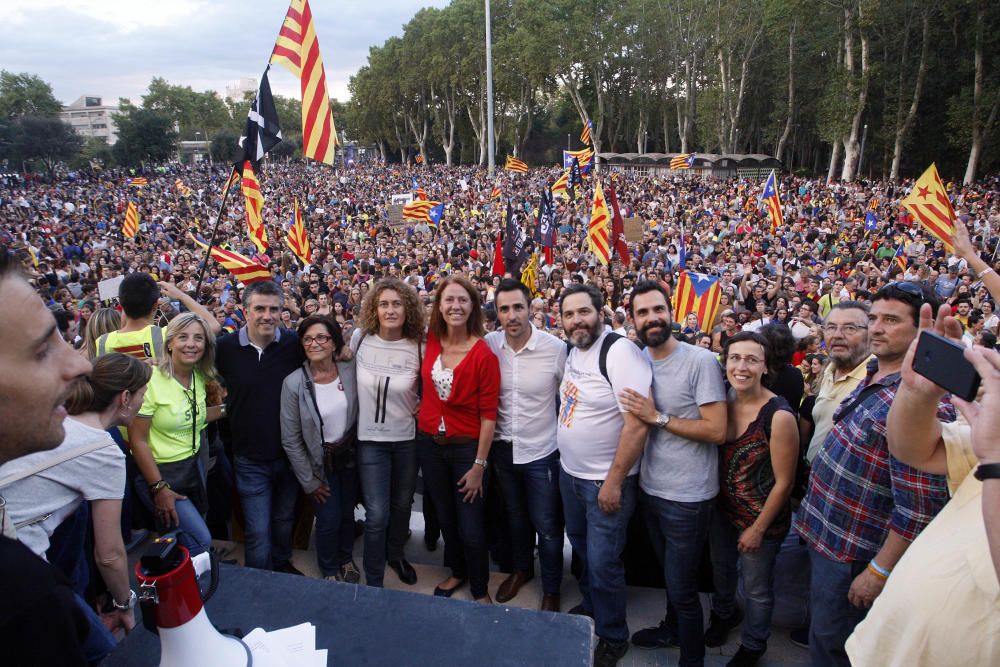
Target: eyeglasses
[849, 329]
[735, 359]
[319, 339]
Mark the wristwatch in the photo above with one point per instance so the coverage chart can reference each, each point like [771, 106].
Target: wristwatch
[158, 486]
[114, 605]
[662, 420]
[987, 471]
[482, 462]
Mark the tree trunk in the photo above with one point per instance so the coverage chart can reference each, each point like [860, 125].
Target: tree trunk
[834, 159]
[666, 129]
[640, 143]
[783, 141]
[903, 128]
[980, 128]
[479, 130]
[852, 146]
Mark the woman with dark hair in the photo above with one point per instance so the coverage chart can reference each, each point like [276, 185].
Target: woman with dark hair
[757, 471]
[783, 379]
[54, 487]
[461, 386]
[387, 350]
[319, 410]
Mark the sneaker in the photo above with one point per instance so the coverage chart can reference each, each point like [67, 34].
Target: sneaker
[607, 654]
[656, 637]
[718, 628]
[579, 610]
[333, 577]
[746, 657]
[800, 637]
[350, 574]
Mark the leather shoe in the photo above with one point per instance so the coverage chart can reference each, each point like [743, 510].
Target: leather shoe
[550, 602]
[404, 571]
[448, 592]
[512, 584]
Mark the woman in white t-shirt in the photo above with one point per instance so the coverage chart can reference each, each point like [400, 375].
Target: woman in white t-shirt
[87, 466]
[387, 348]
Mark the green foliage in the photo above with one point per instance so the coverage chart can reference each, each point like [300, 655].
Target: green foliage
[47, 140]
[144, 135]
[26, 95]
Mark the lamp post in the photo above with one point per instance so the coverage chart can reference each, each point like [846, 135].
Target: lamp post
[489, 93]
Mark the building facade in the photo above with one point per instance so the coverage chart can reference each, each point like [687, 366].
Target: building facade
[90, 117]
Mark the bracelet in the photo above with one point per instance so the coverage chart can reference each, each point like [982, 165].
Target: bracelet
[878, 570]
[988, 269]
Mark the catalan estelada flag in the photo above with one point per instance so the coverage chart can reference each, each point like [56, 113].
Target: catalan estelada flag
[137, 182]
[585, 135]
[298, 242]
[559, 187]
[900, 257]
[513, 164]
[131, 225]
[495, 193]
[245, 269]
[769, 197]
[699, 294]
[419, 211]
[254, 201]
[682, 161]
[183, 189]
[297, 50]
[599, 230]
[929, 204]
[585, 157]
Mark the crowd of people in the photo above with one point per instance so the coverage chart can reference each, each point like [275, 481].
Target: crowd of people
[577, 408]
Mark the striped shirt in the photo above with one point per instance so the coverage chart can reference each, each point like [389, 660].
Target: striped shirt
[858, 491]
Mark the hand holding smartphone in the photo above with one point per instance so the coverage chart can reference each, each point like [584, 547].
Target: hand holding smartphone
[942, 361]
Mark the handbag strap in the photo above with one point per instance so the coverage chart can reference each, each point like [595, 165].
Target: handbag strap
[57, 458]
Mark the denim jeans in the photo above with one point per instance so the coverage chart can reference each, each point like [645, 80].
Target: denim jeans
[833, 616]
[757, 573]
[599, 539]
[678, 531]
[267, 490]
[531, 494]
[388, 480]
[193, 531]
[463, 524]
[99, 642]
[335, 522]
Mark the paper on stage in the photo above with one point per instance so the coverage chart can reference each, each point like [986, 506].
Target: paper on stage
[287, 647]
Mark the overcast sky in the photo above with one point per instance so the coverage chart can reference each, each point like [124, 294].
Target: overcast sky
[113, 48]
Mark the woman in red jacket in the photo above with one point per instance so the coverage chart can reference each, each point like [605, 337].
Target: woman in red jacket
[458, 411]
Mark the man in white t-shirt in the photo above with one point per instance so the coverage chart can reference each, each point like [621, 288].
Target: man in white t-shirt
[680, 467]
[524, 453]
[599, 447]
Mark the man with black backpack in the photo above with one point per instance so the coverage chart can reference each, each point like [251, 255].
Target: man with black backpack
[600, 445]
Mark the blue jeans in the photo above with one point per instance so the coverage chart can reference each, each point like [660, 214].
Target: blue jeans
[388, 480]
[193, 533]
[335, 522]
[463, 524]
[678, 532]
[267, 490]
[833, 616]
[757, 573]
[99, 642]
[531, 494]
[599, 539]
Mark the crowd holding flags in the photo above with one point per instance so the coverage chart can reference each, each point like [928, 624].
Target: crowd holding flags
[254, 202]
[245, 269]
[599, 230]
[297, 50]
[137, 182]
[930, 205]
[298, 241]
[769, 197]
[516, 165]
[131, 225]
[682, 161]
[420, 211]
[699, 294]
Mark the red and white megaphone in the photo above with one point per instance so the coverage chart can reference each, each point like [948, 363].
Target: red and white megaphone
[173, 607]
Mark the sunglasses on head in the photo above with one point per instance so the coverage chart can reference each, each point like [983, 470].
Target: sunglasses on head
[907, 287]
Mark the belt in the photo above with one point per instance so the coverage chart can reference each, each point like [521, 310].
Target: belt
[452, 439]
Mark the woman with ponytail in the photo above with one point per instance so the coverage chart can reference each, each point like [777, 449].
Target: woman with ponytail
[51, 485]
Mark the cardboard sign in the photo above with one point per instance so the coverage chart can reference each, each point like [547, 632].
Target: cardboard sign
[396, 215]
[108, 289]
[633, 229]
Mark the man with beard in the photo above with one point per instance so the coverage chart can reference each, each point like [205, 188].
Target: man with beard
[846, 334]
[599, 448]
[680, 471]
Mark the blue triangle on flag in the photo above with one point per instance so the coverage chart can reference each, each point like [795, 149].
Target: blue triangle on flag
[701, 282]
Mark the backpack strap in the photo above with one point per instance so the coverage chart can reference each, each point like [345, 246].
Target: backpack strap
[602, 359]
[102, 345]
[156, 337]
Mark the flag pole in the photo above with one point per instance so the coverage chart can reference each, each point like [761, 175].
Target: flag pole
[491, 144]
[211, 240]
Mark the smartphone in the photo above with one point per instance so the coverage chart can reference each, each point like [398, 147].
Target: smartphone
[943, 362]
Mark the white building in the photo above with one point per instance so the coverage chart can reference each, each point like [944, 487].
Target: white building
[90, 117]
[236, 91]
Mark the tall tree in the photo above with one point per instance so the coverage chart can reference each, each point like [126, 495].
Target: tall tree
[26, 95]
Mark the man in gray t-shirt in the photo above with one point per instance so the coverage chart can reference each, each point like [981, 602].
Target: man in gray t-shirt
[680, 465]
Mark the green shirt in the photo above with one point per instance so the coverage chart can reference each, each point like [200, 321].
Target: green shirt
[173, 434]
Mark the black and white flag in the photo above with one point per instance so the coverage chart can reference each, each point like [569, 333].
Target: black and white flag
[262, 132]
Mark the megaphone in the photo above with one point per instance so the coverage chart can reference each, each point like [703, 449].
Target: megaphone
[173, 607]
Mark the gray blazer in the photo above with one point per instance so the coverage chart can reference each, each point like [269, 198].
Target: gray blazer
[301, 435]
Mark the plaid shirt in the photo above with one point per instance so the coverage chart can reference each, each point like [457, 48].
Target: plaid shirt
[858, 491]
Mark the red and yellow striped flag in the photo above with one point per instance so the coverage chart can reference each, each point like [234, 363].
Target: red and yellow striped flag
[559, 187]
[419, 210]
[600, 226]
[297, 50]
[513, 164]
[585, 135]
[131, 225]
[253, 198]
[699, 294]
[929, 204]
[245, 269]
[297, 239]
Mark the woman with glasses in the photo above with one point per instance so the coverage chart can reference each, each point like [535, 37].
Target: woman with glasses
[757, 472]
[319, 410]
[165, 437]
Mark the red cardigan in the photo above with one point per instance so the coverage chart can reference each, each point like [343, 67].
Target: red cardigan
[475, 392]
